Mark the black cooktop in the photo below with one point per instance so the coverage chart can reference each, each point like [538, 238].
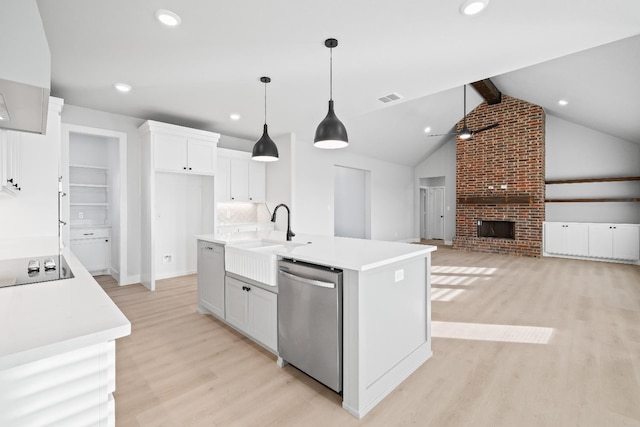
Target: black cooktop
[24, 271]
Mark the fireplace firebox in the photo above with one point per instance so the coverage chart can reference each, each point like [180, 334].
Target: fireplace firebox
[497, 229]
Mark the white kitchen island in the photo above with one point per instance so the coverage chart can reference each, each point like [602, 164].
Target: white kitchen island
[386, 307]
[57, 346]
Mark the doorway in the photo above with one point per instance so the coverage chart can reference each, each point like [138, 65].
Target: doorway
[352, 208]
[432, 210]
[93, 168]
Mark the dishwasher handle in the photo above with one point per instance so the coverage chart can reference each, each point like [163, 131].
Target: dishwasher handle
[306, 281]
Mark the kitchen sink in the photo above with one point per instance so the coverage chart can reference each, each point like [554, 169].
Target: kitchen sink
[256, 259]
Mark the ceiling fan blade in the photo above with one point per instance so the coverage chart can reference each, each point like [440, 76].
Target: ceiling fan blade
[485, 128]
[442, 134]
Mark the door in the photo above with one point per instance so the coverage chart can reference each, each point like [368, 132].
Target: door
[211, 277]
[423, 213]
[351, 201]
[436, 212]
[239, 178]
[236, 304]
[626, 242]
[201, 157]
[170, 153]
[263, 316]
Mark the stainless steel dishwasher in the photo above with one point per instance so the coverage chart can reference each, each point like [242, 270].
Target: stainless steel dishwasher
[310, 320]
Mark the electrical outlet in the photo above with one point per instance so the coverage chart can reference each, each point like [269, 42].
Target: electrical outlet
[399, 275]
[503, 186]
[166, 259]
[80, 215]
[491, 187]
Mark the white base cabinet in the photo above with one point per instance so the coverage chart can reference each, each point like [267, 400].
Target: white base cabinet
[92, 247]
[598, 241]
[614, 241]
[253, 311]
[211, 278]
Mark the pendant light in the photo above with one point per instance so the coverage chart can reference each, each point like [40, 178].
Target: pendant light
[465, 133]
[331, 133]
[265, 150]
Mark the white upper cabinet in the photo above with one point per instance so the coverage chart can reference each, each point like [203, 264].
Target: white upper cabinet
[9, 162]
[239, 178]
[182, 150]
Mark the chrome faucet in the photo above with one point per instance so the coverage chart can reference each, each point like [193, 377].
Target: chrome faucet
[290, 233]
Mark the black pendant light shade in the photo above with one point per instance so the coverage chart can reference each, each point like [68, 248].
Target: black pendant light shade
[331, 133]
[265, 150]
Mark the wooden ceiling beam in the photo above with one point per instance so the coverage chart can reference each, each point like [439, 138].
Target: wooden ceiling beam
[488, 91]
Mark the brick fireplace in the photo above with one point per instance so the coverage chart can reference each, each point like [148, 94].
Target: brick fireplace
[500, 177]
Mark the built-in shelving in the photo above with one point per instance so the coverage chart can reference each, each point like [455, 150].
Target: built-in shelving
[591, 181]
[88, 195]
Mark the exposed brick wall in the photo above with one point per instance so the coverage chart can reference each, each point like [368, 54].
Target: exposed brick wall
[511, 154]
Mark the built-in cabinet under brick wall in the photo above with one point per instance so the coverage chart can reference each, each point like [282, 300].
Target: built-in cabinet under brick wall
[513, 155]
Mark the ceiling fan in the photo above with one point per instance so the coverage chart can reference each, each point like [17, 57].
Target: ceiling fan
[466, 133]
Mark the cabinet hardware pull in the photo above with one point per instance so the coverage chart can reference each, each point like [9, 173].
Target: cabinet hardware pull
[190, 168]
[184, 167]
[62, 222]
[88, 234]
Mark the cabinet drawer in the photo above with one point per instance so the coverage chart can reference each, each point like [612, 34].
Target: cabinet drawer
[88, 233]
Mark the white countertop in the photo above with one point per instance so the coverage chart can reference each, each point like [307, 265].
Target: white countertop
[340, 252]
[43, 319]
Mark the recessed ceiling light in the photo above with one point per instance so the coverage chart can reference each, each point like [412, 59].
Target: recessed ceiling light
[122, 87]
[235, 116]
[563, 102]
[427, 129]
[168, 18]
[472, 7]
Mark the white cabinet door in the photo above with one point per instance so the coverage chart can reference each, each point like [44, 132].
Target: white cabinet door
[170, 153]
[600, 241]
[10, 162]
[626, 242]
[211, 277]
[223, 179]
[93, 254]
[257, 182]
[201, 157]
[236, 303]
[239, 180]
[263, 316]
[576, 239]
[553, 236]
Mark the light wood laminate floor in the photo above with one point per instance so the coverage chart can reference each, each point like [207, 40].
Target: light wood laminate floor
[517, 342]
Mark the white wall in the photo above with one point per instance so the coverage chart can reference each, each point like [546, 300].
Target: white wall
[279, 180]
[98, 119]
[392, 188]
[442, 163]
[574, 151]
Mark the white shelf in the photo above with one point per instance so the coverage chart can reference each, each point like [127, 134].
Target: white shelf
[89, 204]
[89, 185]
[90, 167]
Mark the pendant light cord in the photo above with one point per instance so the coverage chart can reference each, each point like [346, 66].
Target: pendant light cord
[265, 103]
[331, 74]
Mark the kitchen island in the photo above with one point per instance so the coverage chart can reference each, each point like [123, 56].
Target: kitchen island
[57, 346]
[386, 307]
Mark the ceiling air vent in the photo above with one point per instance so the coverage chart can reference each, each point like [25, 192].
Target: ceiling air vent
[390, 98]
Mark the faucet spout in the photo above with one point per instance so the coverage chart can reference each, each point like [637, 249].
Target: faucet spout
[290, 233]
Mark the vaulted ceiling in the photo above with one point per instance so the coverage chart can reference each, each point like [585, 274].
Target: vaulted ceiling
[200, 72]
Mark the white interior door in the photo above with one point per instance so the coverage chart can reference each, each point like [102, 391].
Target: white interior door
[423, 213]
[436, 212]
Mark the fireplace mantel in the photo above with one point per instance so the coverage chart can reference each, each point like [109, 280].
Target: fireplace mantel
[495, 200]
